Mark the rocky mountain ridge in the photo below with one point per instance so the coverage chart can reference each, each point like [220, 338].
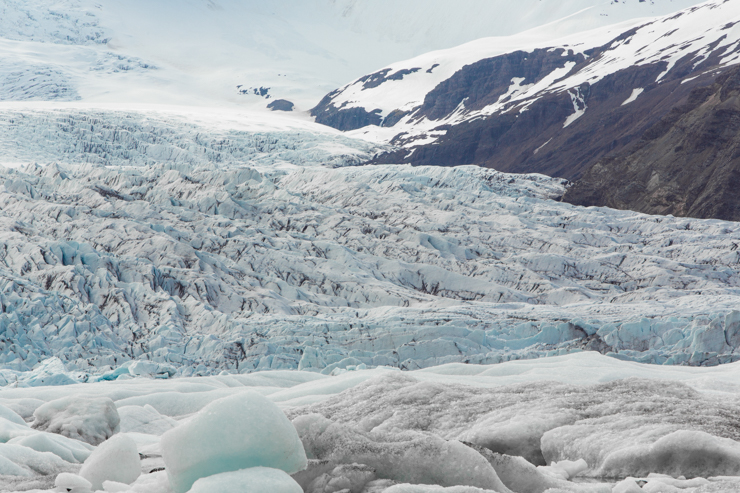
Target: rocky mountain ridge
[556, 109]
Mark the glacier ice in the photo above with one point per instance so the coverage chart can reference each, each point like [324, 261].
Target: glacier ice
[72, 483]
[90, 419]
[412, 488]
[403, 456]
[252, 480]
[382, 428]
[681, 453]
[144, 419]
[116, 459]
[258, 435]
[352, 477]
[625, 427]
[203, 250]
[70, 450]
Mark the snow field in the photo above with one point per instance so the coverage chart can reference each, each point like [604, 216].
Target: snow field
[194, 53]
[697, 32]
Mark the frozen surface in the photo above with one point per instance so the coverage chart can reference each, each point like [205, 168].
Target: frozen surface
[252, 480]
[116, 459]
[625, 427]
[406, 457]
[450, 426]
[258, 257]
[238, 432]
[68, 481]
[92, 420]
[144, 419]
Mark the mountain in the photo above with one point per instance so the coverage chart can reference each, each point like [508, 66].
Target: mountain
[520, 104]
[686, 164]
[248, 53]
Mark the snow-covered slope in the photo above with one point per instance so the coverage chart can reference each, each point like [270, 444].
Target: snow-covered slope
[220, 51]
[705, 32]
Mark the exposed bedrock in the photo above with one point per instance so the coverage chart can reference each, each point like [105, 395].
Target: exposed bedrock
[686, 164]
[645, 122]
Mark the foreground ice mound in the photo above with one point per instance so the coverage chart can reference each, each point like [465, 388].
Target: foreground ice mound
[252, 480]
[410, 488]
[681, 453]
[116, 459]
[625, 427]
[243, 431]
[144, 419]
[72, 483]
[407, 457]
[90, 419]
[72, 451]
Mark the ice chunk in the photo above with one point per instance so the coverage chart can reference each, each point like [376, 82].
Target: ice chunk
[116, 459]
[628, 485]
[252, 480]
[115, 487]
[719, 487]
[10, 430]
[17, 460]
[409, 456]
[378, 486]
[681, 453]
[679, 482]
[517, 435]
[151, 369]
[12, 416]
[23, 407]
[311, 359]
[238, 432]
[73, 451]
[415, 488]
[50, 372]
[565, 469]
[90, 419]
[68, 482]
[521, 476]
[351, 477]
[144, 419]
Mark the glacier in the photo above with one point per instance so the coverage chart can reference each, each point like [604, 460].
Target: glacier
[204, 246]
[181, 269]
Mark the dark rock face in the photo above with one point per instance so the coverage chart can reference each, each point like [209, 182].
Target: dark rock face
[344, 118]
[482, 83]
[535, 141]
[353, 118]
[686, 164]
[658, 137]
[281, 105]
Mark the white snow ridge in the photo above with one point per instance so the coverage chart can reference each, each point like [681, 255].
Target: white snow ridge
[198, 295]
